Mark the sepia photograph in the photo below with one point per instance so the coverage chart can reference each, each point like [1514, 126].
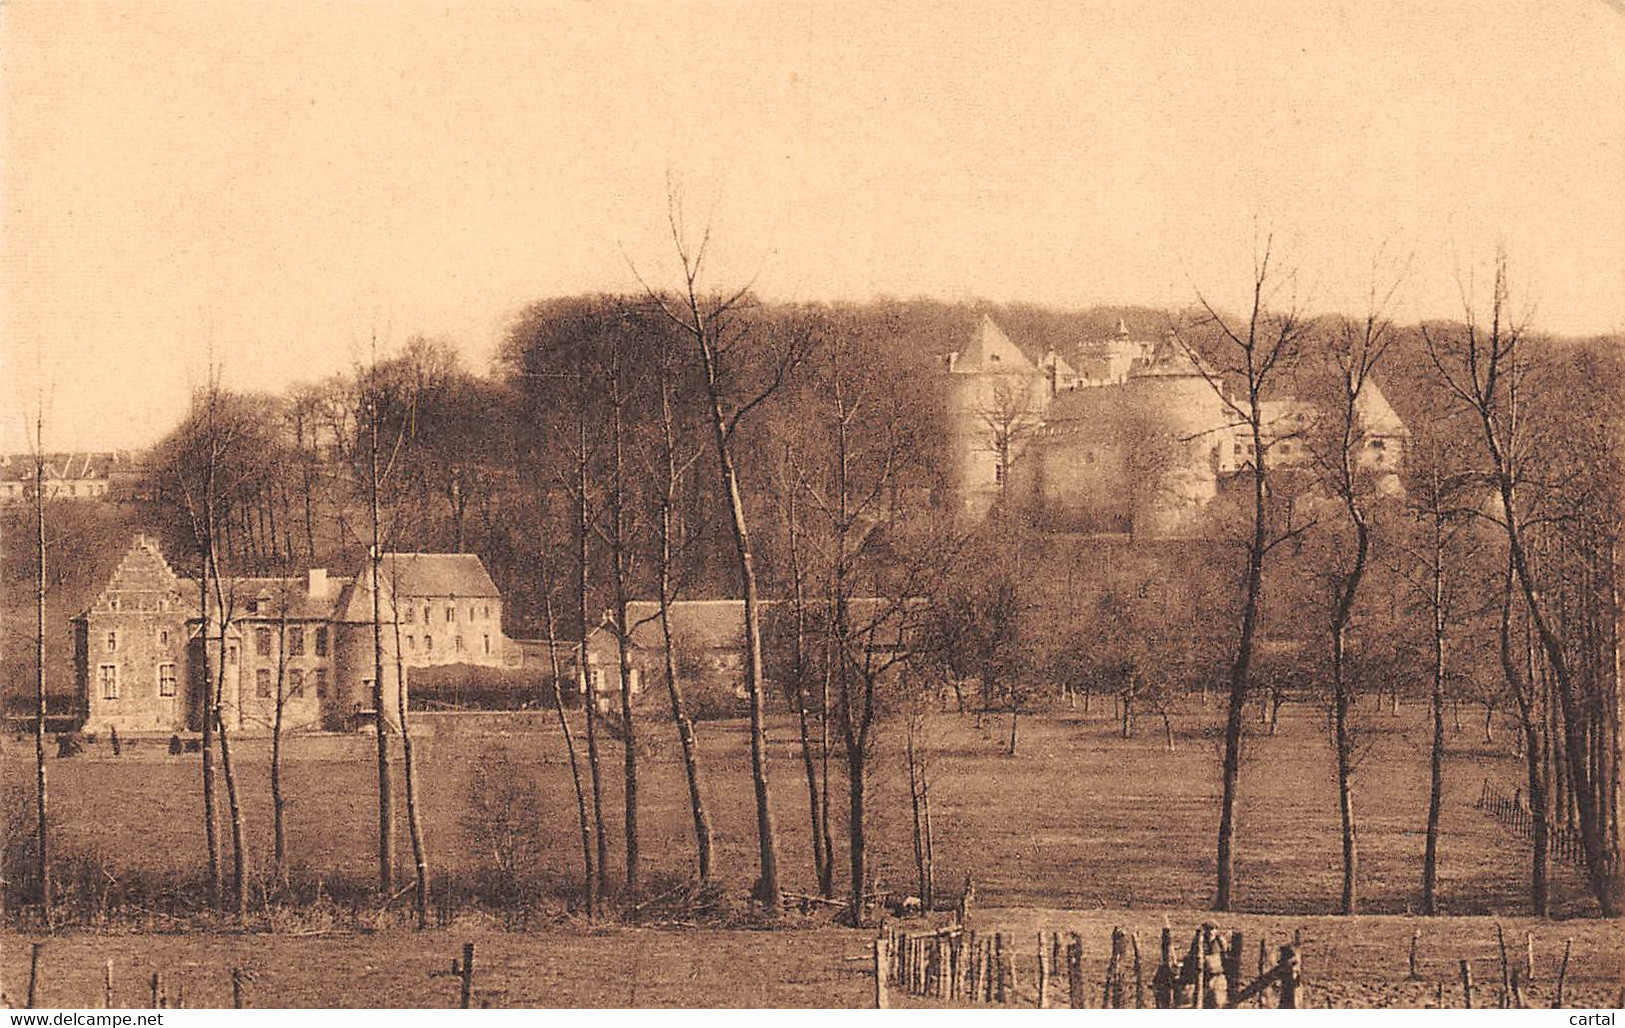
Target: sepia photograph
[740, 504]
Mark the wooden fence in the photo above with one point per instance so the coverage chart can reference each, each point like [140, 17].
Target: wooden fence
[1563, 840]
[956, 965]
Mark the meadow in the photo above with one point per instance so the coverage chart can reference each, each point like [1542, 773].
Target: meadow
[1081, 829]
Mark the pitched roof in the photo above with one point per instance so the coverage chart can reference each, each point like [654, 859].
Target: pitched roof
[436, 574]
[720, 624]
[19, 467]
[991, 350]
[414, 576]
[1377, 416]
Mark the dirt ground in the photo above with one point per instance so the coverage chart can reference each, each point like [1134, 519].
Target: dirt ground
[1359, 961]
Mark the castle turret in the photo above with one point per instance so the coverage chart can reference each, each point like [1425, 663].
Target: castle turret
[1184, 421]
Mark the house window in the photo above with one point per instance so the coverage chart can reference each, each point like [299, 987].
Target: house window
[166, 679]
[486, 612]
[321, 642]
[473, 615]
[1286, 447]
[411, 615]
[451, 613]
[457, 644]
[428, 642]
[107, 674]
[262, 683]
[412, 643]
[252, 606]
[296, 683]
[1376, 444]
[486, 640]
[426, 618]
[163, 637]
[296, 642]
[231, 654]
[112, 642]
[262, 641]
[321, 683]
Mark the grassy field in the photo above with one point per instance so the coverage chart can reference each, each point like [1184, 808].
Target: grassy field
[1079, 818]
[1081, 830]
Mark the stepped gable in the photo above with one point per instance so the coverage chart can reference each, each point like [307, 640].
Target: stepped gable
[143, 581]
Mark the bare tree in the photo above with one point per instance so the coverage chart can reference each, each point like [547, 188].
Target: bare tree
[671, 470]
[589, 878]
[1485, 369]
[717, 335]
[1009, 417]
[1436, 509]
[1254, 355]
[42, 840]
[1341, 445]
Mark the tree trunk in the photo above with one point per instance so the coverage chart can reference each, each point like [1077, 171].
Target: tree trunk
[211, 818]
[767, 891]
[914, 791]
[618, 558]
[1345, 774]
[589, 695]
[857, 837]
[1430, 852]
[1529, 723]
[588, 877]
[279, 842]
[42, 858]
[1238, 680]
[386, 794]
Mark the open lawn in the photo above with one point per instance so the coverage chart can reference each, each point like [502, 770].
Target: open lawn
[1079, 818]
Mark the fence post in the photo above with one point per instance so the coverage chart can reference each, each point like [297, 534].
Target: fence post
[1263, 962]
[1528, 957]
[1163, 986]
[33, 973]
[107, 985]
[1506, 970]
[1416, 937]
[1563, 972]
[1290, 976]
[467, 971]
[881, 973]
[1043, 972]
[1111, 993]
[1467, 983]
[237, 988]
[1074, 971]
[1139, 975]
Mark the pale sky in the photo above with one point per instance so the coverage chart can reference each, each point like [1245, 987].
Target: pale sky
[280, 181]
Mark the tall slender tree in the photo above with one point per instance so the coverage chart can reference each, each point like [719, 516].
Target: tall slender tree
[1254, 355]
[715, 328]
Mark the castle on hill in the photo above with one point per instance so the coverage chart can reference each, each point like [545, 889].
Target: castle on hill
[1130, 436]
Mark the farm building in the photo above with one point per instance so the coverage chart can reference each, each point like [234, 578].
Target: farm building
[708, 643]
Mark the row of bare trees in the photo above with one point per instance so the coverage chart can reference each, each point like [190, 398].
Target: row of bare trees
[688, 443]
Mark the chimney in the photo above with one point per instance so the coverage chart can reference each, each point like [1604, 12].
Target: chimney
[318, 582]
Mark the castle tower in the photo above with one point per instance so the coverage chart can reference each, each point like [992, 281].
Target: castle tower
[1183, 422]
[995, 400]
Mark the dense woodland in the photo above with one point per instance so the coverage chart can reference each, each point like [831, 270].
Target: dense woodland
[685, 446]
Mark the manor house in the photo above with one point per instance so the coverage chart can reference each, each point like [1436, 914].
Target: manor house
[142, 664]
